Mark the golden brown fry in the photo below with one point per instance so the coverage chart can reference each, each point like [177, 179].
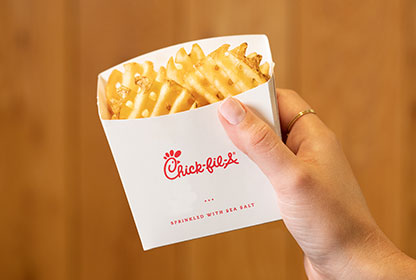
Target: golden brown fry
[172, 99]
[191, 81]
[194, 105]
[194, 82]
[253, 60]
[115, 96]
[196, 54]
[183, 59]
[231, 66]
[217, 76]
[130, 71]
[240, 51]
[148, 93]
[161, 75]
[253, 54]
[142, 82]
[264, 69]
[184, 102]
[175, 74]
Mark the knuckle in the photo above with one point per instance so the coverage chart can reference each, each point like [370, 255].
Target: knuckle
[331, 137]
[261, 138]
[302, 178]
[327, 139]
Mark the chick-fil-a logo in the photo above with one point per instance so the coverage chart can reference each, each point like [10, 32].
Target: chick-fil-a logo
[173, 168]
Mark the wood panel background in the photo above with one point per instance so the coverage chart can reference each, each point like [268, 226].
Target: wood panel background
[64, 214]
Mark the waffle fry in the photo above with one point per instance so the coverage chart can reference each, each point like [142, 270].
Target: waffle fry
[144, 99]
[114, 94]
[189, 81]
[193, 81]
[172, 99]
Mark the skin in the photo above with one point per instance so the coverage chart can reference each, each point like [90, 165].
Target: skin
[320, 200]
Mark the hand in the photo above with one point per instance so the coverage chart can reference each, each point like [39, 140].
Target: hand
[319, 198]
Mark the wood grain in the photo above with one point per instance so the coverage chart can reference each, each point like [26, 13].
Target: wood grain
[64, 214]
[350, 71]
[34, 205]
[409, 108]
[110, 248]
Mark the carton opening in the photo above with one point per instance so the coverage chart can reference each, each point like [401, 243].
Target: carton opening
[159, 58]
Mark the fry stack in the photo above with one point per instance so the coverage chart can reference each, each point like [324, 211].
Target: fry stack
[188, 82]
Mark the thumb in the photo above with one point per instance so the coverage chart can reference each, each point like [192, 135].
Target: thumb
[256, 139]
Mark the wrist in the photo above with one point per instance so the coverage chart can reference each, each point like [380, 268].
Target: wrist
[365, 255]
[377, 258]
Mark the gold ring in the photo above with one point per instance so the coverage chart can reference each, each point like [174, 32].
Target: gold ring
[298, 116]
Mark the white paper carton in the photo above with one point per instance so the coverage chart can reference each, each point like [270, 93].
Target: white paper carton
[183, 177]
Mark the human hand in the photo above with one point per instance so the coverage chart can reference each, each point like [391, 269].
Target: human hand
[319, 198]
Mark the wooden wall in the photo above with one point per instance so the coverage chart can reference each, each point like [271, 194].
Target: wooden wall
[63, 212]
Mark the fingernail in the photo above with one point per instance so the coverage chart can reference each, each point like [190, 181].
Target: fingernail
[232, 110]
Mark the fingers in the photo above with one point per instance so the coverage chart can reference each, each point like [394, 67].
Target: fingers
[307, 128]
[290, 104]
[256, 139]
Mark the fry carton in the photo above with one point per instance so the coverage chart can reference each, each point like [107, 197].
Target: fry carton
[182, 176]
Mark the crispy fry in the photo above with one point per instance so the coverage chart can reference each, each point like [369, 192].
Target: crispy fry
[172, 99]
[218, 76]
[115, 96]
[194, 105]
[264, 69]
[184, 60]
[240, 51]
[188, 82]
[139, 78]
[193, 81]
[147, 95]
